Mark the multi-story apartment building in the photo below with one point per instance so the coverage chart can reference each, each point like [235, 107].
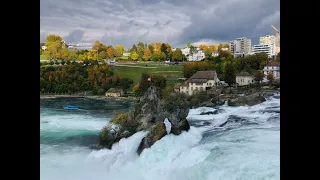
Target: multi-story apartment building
[200, 81]
[240, 46]
[198, 56]
[272, 67]
[267, 39]
[270, 49]
[186, 51]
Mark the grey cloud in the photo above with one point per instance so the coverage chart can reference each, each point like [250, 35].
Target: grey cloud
[174, 21]
[74, 36]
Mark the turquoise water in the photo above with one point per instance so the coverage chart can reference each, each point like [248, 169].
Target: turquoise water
[238, 143]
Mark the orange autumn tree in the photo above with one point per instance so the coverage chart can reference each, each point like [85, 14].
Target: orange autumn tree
[110, 53]
[147, 54]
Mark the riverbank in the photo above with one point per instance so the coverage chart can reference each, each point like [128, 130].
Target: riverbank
[43, 97]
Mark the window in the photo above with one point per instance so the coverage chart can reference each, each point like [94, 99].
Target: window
[191, 88]
[210, 84]
[201, 88]
[196, 88]
[207, 84]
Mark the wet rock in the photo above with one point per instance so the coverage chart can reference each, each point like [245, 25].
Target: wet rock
[157, 132]
[249, 100]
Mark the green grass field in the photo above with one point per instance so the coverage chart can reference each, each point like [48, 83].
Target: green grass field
[43, 57]
[171, 73]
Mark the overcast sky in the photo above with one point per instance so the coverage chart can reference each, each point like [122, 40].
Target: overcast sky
[174, 21]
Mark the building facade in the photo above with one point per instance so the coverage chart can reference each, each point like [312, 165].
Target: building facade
[198, 56]
[200, 81]
[269, 49]
[112, 92]
[272, 67]
[186, 51]
[244, 79]
[267, 39]
[240, 46]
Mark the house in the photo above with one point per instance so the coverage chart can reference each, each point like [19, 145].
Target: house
[113, 92]
[126, 54]
[273, 67]
[244, 79]
[200, 81]
[44, 48]
[198, 56]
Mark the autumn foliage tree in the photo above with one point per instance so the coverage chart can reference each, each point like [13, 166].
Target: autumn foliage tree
[177, 55]
[147, 54]
[110, 53]
[189, 68]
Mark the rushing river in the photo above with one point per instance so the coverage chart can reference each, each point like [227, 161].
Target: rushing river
[238, 143]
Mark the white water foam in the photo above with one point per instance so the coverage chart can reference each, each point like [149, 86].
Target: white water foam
[246, 152]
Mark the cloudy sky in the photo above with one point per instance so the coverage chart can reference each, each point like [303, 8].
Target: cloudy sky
[174, 21]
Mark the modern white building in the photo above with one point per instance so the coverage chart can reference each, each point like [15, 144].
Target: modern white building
[215, 54]
[240, 46]
[267, 39]
[244, 79]
[270, 49]
[126, 54]
[186, 51]
[44, 47]
[200, 81]
[198, 56]
[272, 67]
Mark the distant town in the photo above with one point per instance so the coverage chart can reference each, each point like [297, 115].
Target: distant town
[114, 71]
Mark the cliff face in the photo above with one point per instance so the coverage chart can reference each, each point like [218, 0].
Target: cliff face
[148, 114]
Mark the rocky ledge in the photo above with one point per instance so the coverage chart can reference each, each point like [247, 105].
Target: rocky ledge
[148, 114]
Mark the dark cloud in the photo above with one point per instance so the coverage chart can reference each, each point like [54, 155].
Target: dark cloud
[174, 21]
[74, 36]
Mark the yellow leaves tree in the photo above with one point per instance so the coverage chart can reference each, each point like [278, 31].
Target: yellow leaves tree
[147, 54]
[95, 56]
[110, 53]
[134, 56]
[51, 38]
[120, 49]
[89, 55]
[212, 48]
[203, 47]
[158, 46]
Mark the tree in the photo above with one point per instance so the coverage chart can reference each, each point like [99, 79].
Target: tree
[258, 76]
[97, 46]
[278, 57]
[193, 49]
[188, 45]
[177, 55]
[220, 47]
[101, 55]
[163, 56]
[270, 77]
[208, 53]
[226, 45]
[151, 47]
[110, 53]
[134, 56]
[120, 49]
[212, 48]
[163, 48]
[51, 38]
[230, 73]
[140, 50]
[147, 54]
[134, 48]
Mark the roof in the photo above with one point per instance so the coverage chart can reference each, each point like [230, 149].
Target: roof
[273, 63]
[244, 74]
[114, 90]
[203, 76]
